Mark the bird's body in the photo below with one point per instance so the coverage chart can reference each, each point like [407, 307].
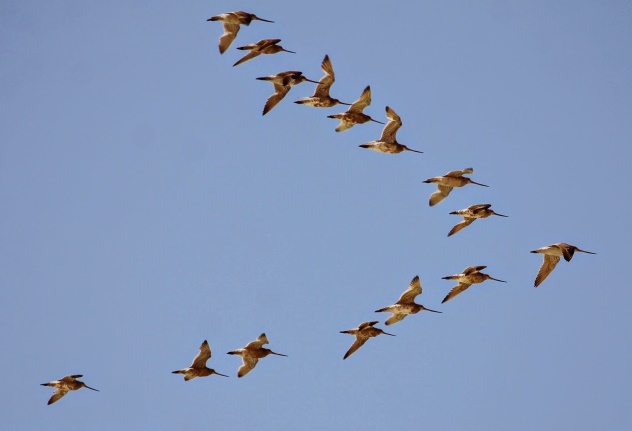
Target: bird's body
[251, 354]
[354, 114]
[198, 367]
[470, 275]
[264, 46]
[282, 82]
[362, 333]
[232, 21]
[406, 304]
[470, 214]
[388, 141]
[64, 385]
[447, 182]
[321, 97]
[552, 254]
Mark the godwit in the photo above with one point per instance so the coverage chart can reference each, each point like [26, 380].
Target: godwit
[470, 214]
[406, 304]
[232, 21]
[264, 46]
[362, 333]
[469, 276]
[251, 354]
[282, 84]
[447, 182]
[552, 255]
[354, 114]
[65, 384]
[198, 366]
[388, 141]
[321, 98]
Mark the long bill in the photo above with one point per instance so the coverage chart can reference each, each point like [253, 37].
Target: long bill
[478, 184]
[495, 279]
[278, 354]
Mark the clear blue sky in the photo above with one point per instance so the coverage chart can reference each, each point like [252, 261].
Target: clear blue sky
[147, 205]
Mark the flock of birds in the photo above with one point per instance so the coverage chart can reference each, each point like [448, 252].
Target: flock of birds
[387, 143]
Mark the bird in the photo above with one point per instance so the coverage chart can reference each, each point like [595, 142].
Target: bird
[264, 46]
[470, 214]
[354, 114]
[282, 83]
[321, 97]
[552, 254]
[469, 276]
[363, 332]
[447, 182]
[406, 304]
[198, 367]
[65, 384]
[388, 141]
[251, 354]
[232, 21]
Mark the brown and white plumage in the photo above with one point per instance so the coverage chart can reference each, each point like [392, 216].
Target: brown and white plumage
[232, 22]
[264, 46]
[198, 367]
[251, 354]
[470, 214]
[470, 275]
[406, 304]
[321, 97]
[552, 254]
[282, 82]
[354, 114]
[362, 333]
[447, 182]
[64, 385]
[388, 141]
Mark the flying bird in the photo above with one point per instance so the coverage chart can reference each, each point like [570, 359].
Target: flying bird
[251, 354]
[470, 214]
[198, 367]
[264, 46]
[354, 114]
[388, 141]
[232, 21]
[406, 304]
[362, 333]
[469, 276]
[321, 97]
[552, 254]
[65, 384]
[282, 83]
[447, 182]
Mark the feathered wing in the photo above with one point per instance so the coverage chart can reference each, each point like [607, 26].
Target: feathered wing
[409, 295]
[461, 287]
[389, 133]
[344, 125]
[359, 341]
[205, 354]
[252, 54]
[466, 222]
[258, 343]
[274, 99]
[395, 317]
[322, 89]
[546, 268]
[460, 173]
[59, 393]
[226, 39]
[441, 193]
[248, 363]
[473, 269]
[363, 101]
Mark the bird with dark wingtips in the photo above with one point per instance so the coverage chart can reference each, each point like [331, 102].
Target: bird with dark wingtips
[470, 275]
[251, 354]
[406, 304]
[470, 214]
[64, 385]
[388, 141]
[232, 21]
[282, 82]
[445, 184]
[552, 254]
[321, 97]
[198, 367]
[264, 46]
[354, 114]
[362, 333]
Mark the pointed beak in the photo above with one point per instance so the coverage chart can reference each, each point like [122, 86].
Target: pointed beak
[220, 374]
[278, 354]
[343, 103]
[495, 279]
[91, 388]
[287, 50]
[386, 333]
[479, 184]
[265, 20]
[309, 80]
[415, 151]
[500, 215]
[375, 121]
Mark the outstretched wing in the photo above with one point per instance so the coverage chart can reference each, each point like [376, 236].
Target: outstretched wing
[459, 173]
[466, 222]
[252, 54]
[57, 395]
[202, 357]
[322, 89]
[390, 130]
[473, 269]
[226, 39]
[440, 194]
[362, 102]
[258, 343]
[355, 346]
[248, 364]
[395, 317]
[409, 295]
[461, 287]
[547, 267]
[274, 99]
